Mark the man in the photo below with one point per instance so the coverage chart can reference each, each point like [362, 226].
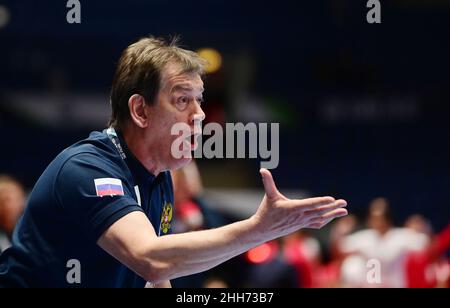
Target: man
[12, 203]
[98, 213]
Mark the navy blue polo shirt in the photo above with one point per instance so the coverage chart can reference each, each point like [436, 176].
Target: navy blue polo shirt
[83, 191]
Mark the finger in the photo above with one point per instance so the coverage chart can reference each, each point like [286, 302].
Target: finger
[269, 185]
[310, 203]
[335, 214]
[319, 222]
[327, 208]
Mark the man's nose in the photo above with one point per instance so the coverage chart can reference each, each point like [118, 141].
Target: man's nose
[199, 115]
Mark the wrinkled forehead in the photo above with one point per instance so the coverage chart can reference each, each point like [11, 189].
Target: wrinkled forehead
[173, 77]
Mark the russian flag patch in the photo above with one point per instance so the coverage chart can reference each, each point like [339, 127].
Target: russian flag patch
[108, 187]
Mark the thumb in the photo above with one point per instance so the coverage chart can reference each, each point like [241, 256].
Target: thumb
[269, 185]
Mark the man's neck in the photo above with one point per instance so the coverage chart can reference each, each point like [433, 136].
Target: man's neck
[137, 144]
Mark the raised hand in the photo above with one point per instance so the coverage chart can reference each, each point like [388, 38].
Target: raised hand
[278, 216]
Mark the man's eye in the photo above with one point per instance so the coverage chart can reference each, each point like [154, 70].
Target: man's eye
[200, 100]
[183, 100]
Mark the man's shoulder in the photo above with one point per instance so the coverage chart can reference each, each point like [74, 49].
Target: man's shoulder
[97, 146]
[94, 152]
[97, 142]
[83, 165]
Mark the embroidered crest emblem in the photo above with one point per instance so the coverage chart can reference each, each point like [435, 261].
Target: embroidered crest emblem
[166, 218]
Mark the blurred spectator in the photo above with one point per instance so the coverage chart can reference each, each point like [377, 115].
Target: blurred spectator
[299, 254]
[191, 213]
[339, 230]
[380, 242]
[270, 268]
[428, 268]
[187, 187]
[12, 204]
[303, 252]
[287, 262]
[328, 275]
[419, 224]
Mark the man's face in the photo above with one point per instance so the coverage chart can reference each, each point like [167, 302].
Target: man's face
[178, 101]
[12, 203]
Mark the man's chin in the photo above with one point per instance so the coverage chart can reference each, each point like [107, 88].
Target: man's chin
[180, 163]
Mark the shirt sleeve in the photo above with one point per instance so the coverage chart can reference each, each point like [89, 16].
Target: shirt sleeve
[78, 189]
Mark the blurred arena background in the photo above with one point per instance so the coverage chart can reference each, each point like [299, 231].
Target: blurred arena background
[363, 112]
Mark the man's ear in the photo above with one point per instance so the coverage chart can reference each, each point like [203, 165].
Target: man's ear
[138, 110]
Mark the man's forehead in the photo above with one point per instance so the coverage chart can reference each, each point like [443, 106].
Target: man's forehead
[187, 82]
[174, 80]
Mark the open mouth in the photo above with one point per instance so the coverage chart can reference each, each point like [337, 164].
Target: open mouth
[192, 142]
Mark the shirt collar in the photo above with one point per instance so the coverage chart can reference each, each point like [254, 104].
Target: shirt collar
[137, 168]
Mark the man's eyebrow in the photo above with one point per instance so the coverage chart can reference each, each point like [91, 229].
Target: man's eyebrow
[185, 87]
